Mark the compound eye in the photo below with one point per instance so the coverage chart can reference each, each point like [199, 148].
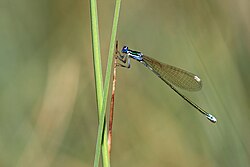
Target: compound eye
[125, 49]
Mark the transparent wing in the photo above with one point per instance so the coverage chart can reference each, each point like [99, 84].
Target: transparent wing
[174, 75]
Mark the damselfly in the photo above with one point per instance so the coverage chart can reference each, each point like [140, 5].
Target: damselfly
[169, 74]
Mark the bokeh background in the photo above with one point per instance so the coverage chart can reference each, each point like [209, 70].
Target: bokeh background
[48, 114]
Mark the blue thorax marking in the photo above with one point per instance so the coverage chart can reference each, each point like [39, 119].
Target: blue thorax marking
[133, 54]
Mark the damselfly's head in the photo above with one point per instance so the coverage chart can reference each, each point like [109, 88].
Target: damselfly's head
[125, 49]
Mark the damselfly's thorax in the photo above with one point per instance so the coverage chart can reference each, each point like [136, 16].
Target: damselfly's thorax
[133, 54]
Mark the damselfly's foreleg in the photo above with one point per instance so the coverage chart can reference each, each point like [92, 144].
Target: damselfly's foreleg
[125, 60]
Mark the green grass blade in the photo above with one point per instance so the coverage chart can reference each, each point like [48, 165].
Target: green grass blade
[97, 67]
[105, 93]
[96, 54]
[108, 71]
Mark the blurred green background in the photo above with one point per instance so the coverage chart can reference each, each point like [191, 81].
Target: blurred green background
[48, 114]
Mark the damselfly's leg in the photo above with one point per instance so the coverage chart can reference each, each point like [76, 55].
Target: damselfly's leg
[125, 59]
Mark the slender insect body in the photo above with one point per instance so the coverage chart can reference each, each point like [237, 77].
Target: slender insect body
[169, 74]
[149, 67]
